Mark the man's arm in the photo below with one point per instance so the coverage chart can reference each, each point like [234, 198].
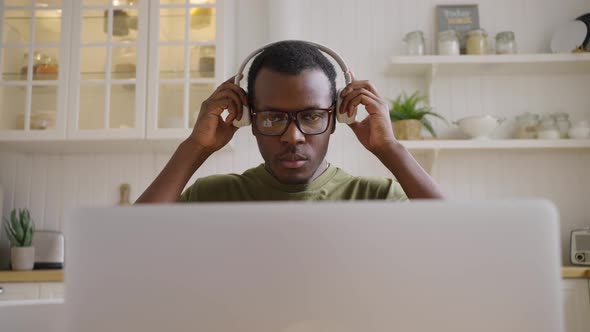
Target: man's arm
[375, 133]
[411, 176]
[210, 134]
[168, 186]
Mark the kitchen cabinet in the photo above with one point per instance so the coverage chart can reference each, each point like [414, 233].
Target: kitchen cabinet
[34, 55]
[31, 291]
[128, 69]
[577, 304]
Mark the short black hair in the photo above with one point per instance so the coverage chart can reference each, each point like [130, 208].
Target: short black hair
[291, 57]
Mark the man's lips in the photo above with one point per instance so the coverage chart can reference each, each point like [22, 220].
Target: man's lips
[292, 160]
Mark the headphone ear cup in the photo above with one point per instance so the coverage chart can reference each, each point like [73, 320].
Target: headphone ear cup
[245, 121]
[343, 117]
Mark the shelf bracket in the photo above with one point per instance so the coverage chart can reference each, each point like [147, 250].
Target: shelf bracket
[430, 78]
[430, 159]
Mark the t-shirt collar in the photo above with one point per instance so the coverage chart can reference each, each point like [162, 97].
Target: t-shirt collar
[317, 183]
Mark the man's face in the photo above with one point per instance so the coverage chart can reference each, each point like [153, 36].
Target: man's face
[293, 158]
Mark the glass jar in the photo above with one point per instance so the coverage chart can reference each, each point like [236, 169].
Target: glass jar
[548, 128]
[415, 43]
[526, 126]
[505, 43]
[448, 42]
[563, 123]
[477, 42]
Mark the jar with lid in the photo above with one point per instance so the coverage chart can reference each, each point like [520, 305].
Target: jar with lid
[505, 43]
[563, 123]
[477, 42]
[526, 126]
[415, 43]
[548, 128]
[448, 42]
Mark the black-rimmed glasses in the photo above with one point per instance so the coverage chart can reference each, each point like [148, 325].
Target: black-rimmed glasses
[312, 121]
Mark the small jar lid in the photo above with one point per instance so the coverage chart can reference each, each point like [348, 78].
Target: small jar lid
[448, 33]
[505, 35]
[416, 33]
[476, 32]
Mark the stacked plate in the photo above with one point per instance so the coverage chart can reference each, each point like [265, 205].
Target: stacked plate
[572, 35]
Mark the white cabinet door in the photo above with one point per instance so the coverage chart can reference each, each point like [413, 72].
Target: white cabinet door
[34, 62]
[51, 290]
[108, 76]
[577, 305]
[187, 59]
[19, 291]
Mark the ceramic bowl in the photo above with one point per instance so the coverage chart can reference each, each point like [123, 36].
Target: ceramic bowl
[479, 127]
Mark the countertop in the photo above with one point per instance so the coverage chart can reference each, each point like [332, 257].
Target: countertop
[32, 276]
[567, 272]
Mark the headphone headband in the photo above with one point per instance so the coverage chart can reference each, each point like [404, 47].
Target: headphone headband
[333, 54]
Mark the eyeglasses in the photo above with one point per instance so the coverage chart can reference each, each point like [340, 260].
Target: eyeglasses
[313, 121]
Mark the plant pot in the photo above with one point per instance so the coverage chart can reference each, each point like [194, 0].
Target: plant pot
[22, 258]
[407, 129]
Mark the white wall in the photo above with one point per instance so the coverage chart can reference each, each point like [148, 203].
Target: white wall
[366, 34]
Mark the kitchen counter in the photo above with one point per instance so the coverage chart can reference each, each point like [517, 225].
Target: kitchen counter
[32, 276]
[575, 272]
[567, 272]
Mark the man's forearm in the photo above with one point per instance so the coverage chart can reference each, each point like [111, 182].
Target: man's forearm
[168, 186]
[412, 177]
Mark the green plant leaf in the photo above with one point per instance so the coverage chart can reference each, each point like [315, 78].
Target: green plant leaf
[19, 232]
[28, 237]
[10, 232]
[428, 125]
[405, 108]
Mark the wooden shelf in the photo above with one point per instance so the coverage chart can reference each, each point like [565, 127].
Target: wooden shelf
[497, 144]
[575, 272]
[58, 275]
[508, 64]
[32, 276]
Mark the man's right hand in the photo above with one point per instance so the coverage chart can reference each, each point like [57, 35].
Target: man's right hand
[211, 132]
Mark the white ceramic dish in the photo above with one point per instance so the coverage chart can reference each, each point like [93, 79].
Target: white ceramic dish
[579, 133]
[479, 127]
[568, 37]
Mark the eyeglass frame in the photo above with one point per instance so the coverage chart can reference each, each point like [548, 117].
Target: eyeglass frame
[293, 118]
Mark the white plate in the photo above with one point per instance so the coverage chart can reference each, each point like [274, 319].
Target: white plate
[568, 37]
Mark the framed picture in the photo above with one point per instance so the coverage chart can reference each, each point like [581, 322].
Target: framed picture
[460, 18]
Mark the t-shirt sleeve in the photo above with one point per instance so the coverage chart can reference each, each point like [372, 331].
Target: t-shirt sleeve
[397, 193]
[189, 194]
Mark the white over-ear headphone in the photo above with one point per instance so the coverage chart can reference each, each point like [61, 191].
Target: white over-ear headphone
[343, 118]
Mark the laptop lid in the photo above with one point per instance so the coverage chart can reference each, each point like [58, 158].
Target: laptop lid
[295, 267]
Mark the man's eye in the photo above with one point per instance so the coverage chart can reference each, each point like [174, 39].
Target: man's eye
[275, 117]
[313, 116]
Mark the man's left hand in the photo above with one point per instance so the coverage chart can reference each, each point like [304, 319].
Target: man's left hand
[375, 131]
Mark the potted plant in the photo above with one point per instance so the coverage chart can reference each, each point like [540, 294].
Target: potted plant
[20, 229]
[408, 117]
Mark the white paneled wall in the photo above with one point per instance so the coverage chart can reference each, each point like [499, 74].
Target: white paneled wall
[366, 34]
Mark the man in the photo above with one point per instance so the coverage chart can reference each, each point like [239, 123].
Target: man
[291, 97]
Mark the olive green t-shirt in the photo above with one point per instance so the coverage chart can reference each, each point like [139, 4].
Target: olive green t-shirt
[257, 184]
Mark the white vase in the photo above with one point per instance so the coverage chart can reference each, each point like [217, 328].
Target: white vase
[22, 258]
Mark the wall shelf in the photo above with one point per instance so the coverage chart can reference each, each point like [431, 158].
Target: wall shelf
[509, 64]
[497, 144]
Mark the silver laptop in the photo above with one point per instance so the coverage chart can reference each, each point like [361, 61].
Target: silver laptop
[315, 267]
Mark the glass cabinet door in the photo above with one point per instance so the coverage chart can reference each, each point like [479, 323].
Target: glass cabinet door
[184, 63]
[110, 56]
[34, 62]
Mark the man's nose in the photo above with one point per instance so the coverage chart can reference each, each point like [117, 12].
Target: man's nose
[293, 135]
